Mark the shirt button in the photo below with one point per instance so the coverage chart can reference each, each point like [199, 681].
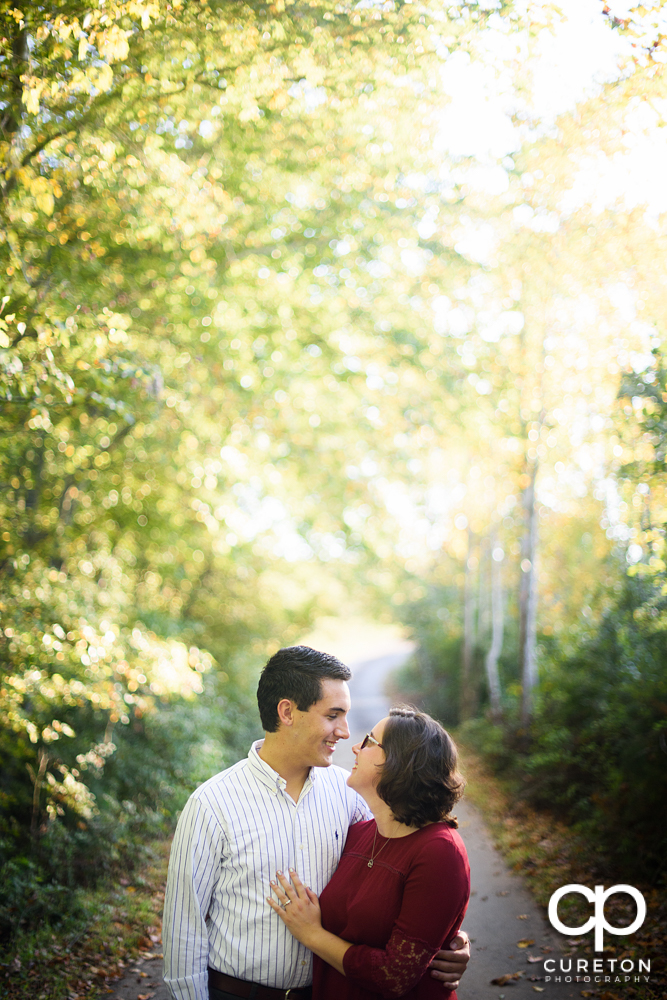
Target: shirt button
[300, 847]
[303, 961]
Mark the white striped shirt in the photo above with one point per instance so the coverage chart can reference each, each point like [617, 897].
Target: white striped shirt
[235, 832]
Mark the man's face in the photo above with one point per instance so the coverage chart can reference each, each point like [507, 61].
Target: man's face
[316, 731]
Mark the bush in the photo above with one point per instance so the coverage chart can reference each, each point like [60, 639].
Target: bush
[158, 761]
[28, 896]
[597, 753]
[599, 749]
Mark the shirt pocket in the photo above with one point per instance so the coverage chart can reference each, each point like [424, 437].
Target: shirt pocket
[253, 866]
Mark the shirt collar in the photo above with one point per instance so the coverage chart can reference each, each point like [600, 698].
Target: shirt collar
[265, 773]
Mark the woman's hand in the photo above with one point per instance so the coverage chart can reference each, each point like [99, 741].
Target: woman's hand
[298, 907]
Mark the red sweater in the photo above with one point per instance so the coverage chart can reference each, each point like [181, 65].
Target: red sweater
[397, 914]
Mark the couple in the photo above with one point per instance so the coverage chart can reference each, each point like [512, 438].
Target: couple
[258, 843]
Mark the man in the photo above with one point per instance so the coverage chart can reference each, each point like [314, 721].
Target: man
[284, 806]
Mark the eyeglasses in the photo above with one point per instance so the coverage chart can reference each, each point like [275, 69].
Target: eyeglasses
[370, 739]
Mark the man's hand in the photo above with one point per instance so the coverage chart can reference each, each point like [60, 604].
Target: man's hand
[449, 966]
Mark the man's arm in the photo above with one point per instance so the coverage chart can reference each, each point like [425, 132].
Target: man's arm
[449, 966]
[193, 865]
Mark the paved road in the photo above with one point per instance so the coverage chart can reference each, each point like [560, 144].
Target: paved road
[369, 702]
[499, 896]
[501, 911]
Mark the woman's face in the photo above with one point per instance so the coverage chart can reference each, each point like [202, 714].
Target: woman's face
[366, 772]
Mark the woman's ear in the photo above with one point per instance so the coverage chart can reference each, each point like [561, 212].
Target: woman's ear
[286, 711]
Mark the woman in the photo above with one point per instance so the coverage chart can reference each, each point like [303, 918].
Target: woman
[402, 886]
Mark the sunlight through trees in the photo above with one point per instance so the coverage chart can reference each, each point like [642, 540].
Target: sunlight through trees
[281, 333]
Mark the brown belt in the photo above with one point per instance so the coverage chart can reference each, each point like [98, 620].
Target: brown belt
[253, 991]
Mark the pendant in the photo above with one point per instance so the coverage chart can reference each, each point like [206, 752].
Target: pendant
[370, 863]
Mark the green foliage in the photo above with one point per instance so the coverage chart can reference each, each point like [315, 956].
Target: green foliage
[191, 241]
[432, 677]
[596, 753]
[600, 734]
[244, 309]
[30, 895]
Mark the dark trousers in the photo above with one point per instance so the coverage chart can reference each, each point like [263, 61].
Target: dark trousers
[219, 995]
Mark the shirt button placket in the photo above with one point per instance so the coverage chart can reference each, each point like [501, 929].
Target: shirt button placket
[303, 860]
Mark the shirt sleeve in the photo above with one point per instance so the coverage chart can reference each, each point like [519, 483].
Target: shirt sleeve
[194, 864]
[434, 902]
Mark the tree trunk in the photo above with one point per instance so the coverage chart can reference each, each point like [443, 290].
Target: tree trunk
[483, 593]
[497, 630]
[528, 600]
[38, 781]
[467, 694]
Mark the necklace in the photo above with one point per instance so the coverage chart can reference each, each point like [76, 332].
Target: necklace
[373, 854]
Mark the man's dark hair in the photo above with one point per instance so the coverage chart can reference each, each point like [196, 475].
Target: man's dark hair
[418, 780]
[295, 672]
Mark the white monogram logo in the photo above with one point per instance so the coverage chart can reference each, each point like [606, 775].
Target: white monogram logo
[598, 897]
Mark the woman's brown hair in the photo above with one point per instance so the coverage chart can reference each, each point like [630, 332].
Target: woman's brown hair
[419, 780]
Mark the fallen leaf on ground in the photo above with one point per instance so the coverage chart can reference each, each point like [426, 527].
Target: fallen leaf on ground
[533, 958]
[503, 892]
[525, 943]
[522, 916]
[509, 977]
[539, 989]
[588, 993]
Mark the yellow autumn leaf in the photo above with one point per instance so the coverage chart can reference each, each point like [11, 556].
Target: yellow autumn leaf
[45, 202]
[42, 191]
[120, 321]
[101, 77]
[144, 10]
[113, 44]
[31, 99]
[64, 29]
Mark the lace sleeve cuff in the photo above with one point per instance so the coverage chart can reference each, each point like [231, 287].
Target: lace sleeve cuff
[390, 971]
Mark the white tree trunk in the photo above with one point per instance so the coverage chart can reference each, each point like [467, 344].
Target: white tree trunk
[529, 601]
[467, 693]
[497, 630]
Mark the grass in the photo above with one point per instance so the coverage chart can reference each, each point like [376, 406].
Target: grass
[82, 957]
[549, 854]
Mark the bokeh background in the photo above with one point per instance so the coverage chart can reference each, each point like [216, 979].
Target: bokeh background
[327, 310]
